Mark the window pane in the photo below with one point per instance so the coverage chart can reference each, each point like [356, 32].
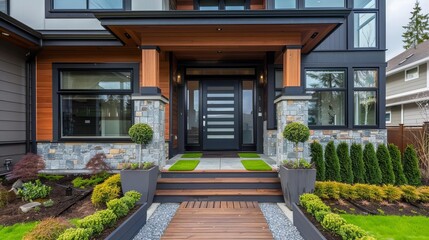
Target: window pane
[412, 73]
[366, 78]
[70, 4]
[96, 80]
[388, 117]
[365, 108]
[327, 109]
[234, 5]
[105, 4]
[193, 109]
[325, 79]
[95, 116]
[364, 4]
[284, 4]
[248, 112]
[324, 3]
[365, 30]
[3, 6]
[209, 5]
[279, 79]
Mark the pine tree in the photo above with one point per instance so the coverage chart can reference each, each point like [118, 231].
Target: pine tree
[411, 166]
[317, 159]
[395, 155]
[417, 30]
[345, 163]
[332, 163]
[385, 163]
[372, 169]
[358, 166]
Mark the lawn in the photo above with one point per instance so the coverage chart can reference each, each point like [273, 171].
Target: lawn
[256, 165]
[248, 155]
[16, 231]
[184, 165]
[192, 155]
[392, 227]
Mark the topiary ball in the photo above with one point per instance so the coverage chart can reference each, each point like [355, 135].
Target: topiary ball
[296, 132]
[141, 133]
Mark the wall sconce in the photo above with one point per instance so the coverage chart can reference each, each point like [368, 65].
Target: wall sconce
[7, 164]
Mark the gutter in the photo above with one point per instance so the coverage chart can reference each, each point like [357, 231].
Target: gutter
[403, 68]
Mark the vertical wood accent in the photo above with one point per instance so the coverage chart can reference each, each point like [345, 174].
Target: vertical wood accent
[292, 68]
[150, 68]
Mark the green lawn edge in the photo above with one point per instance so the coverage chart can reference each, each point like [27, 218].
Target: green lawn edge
[16, 231]
[248, 155]
[192, 155]
[184, 165]
[256, 165]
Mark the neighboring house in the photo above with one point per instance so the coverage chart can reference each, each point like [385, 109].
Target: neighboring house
[407, 84]
[207, 75]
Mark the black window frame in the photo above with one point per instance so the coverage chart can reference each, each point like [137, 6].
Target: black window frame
[221, 5]
[353, 30]
[357, 8]
[57, 92]
[7, 7]
[344, 89]
[50, 12]
[302, 5]
[375, 89]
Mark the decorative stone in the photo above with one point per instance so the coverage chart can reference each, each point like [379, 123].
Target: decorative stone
[27, 207]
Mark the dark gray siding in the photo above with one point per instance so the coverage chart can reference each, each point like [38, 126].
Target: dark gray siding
[12, 103]
[336, 41]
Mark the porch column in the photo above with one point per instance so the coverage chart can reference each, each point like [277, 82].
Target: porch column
[149, 106]
[292, 105]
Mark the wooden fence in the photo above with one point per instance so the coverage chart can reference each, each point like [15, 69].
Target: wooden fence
[402, 135]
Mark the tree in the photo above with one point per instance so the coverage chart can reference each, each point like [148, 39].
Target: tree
[372, 169]
[411, 166]
[346, 171]
[332, 163]
[358, 166]
[417, 30]
[297, 133]
[317, 158]
[385, 163]
[395, 155]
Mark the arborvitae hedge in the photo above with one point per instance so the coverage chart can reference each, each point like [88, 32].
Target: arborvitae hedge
[332, 163]
[395, 155]
[346, 171]
[411, 166]
[358, 166]
[372, 169]
[385, 163]
[317, 159]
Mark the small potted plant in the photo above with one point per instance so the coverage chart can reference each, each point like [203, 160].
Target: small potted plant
[297, 176]
[142, 176]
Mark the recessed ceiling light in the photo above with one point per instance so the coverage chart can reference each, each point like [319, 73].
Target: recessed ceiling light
[219, 51]
[5, 34]
[219, 29]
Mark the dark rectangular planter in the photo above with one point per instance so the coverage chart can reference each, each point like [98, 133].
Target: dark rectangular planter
[142, 181]
[305, 226]
[296, 182]
[130, 227]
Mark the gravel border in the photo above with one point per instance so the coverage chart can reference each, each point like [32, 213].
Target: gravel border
[280, 226]
[158, 222]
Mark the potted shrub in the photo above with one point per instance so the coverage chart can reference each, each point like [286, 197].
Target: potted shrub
[297, 176]
[142, 176]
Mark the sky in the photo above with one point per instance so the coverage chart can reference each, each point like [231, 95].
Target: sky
[398, 14]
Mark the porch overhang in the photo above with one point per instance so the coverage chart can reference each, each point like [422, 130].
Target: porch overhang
[223, 30]
[18, 33]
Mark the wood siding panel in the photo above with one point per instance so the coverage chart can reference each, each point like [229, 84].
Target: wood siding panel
[396, 83]
[292, 68]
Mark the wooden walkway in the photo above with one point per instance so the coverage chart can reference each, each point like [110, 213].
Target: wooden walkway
[218, 220]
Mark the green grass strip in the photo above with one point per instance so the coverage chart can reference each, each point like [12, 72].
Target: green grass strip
[256, 165]
[184, 165]
[392, 227]
[248, 155]
[192, 155]
[16, 231]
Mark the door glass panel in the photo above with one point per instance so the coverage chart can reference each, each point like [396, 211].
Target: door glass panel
[220, 116]
[220, 95]
[220, 136]
[220, 102]
[221, 88]
[193, 109]
[220, 109]
[220, 130]
[248, 112]
[220, 123]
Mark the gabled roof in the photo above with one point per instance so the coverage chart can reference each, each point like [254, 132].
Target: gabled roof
[408, 58]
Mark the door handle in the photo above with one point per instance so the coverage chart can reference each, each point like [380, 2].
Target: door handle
[204, 123]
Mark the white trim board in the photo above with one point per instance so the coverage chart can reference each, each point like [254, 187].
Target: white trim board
[407, 102]
[407, 93]
[400, 69]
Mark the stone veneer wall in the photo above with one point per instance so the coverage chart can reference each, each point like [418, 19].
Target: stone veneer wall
[270, 141]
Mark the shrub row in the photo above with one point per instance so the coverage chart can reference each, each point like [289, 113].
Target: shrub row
[390, 193]
[367, 165]
[106, 191]
[96, 223]
[95, 179]
[331, 221]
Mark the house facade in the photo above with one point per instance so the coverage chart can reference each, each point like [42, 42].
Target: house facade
[407, 87]
[206, 75]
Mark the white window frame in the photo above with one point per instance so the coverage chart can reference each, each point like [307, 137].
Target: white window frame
[390, 116]
[418, 73]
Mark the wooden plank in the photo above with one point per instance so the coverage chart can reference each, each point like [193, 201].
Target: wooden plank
[183, 204]
[210, 204]
[237, 205]
[197, 204]
[223, 204]
[217, 205]
[203, 204]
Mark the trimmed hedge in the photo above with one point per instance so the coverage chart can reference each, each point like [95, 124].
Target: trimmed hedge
[346, 171]
[385, 163]
[395, 155]
[411, 166]
[317, 159]
[332, 163]
[358, 166]
[106, 191]
[372, 169]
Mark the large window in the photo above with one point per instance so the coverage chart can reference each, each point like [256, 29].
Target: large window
[4, 6]
[88, 4]
[324, 3]
[327, 107]
[365, 30]
[365, 97]
[95, 103]
[284, 4]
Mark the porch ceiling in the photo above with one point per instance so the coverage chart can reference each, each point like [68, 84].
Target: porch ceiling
[247, 31]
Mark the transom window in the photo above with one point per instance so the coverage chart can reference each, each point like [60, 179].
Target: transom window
[324, 3]
[365, 30]
[364, 4]
[212, 5]
[284, 4]
[87, 4]
[412, 74]
[4, 6]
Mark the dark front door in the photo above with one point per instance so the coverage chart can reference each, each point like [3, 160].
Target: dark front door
[220, 115]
